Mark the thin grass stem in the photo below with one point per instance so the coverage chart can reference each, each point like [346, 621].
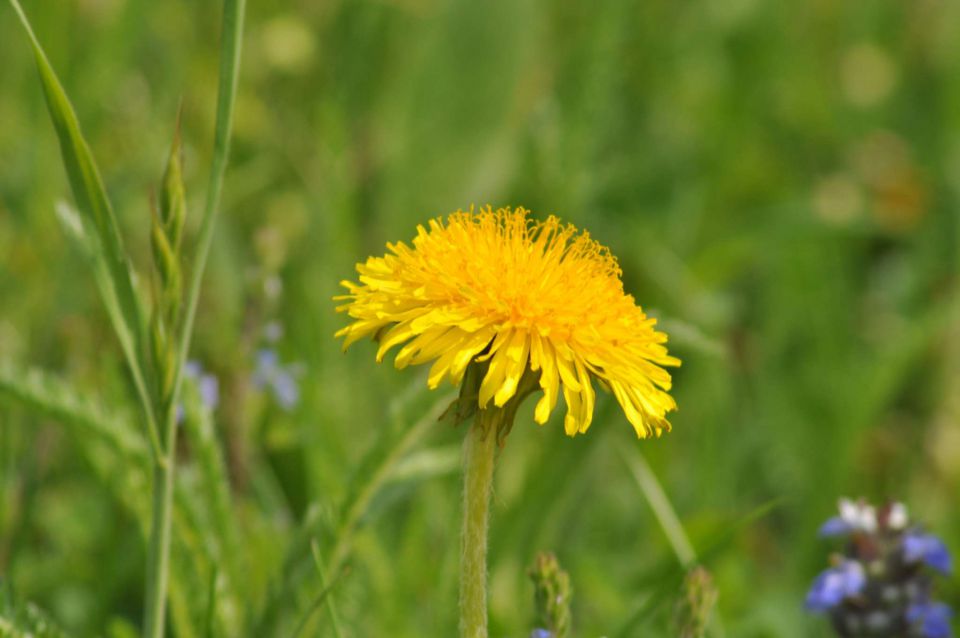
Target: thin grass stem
[331, 607]
[159, 551]
[320, 599]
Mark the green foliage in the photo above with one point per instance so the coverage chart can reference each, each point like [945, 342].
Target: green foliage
[778, 181]
[84, 177]
[49, 396]
[105, 249]
[25, 620]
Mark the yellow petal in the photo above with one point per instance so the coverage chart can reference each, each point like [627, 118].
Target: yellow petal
[397, 334]
[588, 395]
[571, 422]
[440, 369]
[467, 351]
[549, 381]
[568, 373]
[426, 346]
[358, 330]
[494, 377]
[516, 354]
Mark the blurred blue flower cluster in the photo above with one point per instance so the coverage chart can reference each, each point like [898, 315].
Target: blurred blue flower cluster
[207, 384]
[207, 387]
[279, 379]
[882, 582]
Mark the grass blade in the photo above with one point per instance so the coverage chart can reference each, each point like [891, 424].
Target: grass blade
[91, 197]
[323, 596]
[383, 464]
[230, 45]
[660, 504]
[75, 228]
[328, 591]
[83, 174]
[668, 577]
[357, 506]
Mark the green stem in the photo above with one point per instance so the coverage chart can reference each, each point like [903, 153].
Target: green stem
[158, 556]
[159, 551]
[478, 454]
[231, 40]
[328, 589]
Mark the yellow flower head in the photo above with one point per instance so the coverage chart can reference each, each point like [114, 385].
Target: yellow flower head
[522, 297]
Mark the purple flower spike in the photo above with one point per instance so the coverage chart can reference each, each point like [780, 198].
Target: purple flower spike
[927, 548]
[881, 584]
[541, 633]
[933, 619]
[835, 584]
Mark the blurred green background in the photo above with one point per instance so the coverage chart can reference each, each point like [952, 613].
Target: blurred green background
[779, 180]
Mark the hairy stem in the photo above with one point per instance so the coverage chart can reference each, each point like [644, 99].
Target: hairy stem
[478, 456]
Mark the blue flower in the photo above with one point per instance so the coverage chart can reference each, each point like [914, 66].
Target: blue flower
[836, 526]
[933, 619]
[279, 379]
[855, 516]
[541, 633]
[927, 548]
[273, 331]
[207, 384]
[835, 584]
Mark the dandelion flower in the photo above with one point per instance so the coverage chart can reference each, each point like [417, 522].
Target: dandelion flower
[524, 299]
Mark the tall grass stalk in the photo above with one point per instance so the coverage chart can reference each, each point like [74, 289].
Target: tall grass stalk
[115, 278]
[158, 557]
